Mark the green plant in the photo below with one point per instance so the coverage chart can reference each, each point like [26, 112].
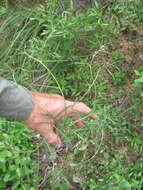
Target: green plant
[139, 81]
[16, 154]
[53, 49]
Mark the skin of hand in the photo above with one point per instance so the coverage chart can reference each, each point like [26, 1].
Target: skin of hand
[49, 108]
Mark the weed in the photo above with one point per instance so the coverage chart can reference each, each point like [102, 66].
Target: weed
[16, 154]
[53, 49]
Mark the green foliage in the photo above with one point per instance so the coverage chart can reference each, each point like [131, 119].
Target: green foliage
[118, 75]
[17, 157]
[138, 83]
[51, 48]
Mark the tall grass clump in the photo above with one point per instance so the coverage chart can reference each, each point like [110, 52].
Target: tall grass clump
[53, 36]
[49, 47]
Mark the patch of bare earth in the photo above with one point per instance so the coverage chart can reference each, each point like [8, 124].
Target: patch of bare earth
[130, 46]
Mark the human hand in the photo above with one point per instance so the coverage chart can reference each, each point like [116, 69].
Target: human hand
[49, 108]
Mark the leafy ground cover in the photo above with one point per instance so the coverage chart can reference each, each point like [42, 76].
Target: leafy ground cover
[90, 51]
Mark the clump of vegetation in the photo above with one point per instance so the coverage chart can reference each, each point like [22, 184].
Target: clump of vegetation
[88, 55]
